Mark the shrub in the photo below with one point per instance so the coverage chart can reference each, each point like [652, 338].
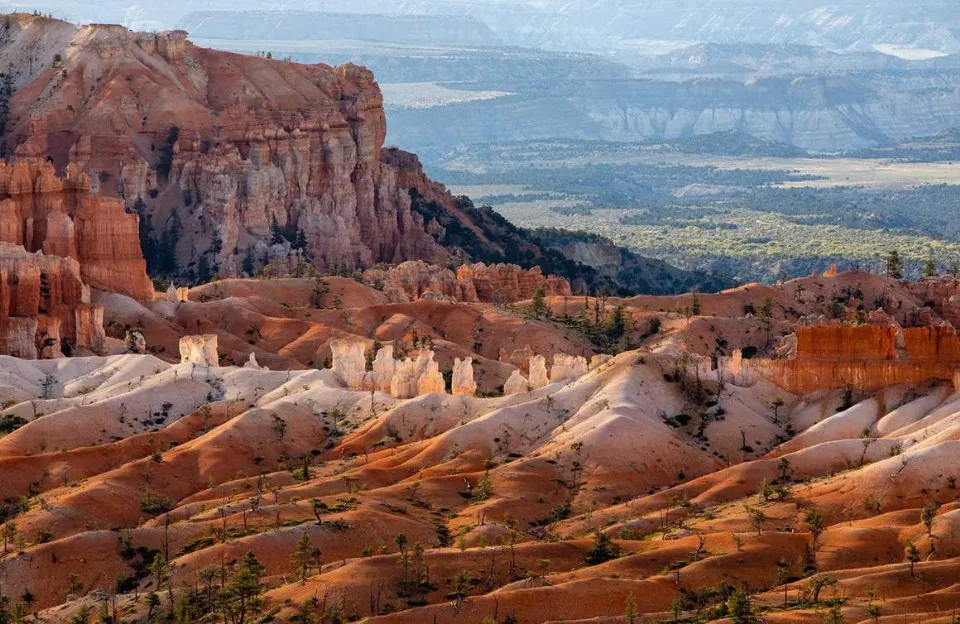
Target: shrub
[155, 503]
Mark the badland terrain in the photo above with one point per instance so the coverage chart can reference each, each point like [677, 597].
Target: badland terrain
[370, 399]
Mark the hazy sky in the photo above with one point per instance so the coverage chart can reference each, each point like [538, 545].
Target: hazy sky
[599, 24]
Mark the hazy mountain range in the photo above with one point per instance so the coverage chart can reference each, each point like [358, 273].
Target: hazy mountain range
[604, 24]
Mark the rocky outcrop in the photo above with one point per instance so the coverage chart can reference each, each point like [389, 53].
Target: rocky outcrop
[473, 283]
[415, 280]
[62, 217]
[516, 384]
[134, 342]
[44, 304]
[417, 377]
[177, 295]
[427, 371]
[846, 342]
[238, 143]
[199, 350]
[538, 372]
[463, 383]
[865, 357]
[599, 360]
[18, 337]
[568, 367]
[252, 363]
[350, 362]
[504, 283]
[384, 369]
[404, 382]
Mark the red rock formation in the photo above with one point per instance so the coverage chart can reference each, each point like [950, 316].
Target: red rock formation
[474, 283]
[42, 299]
[868, 357]
[846, 342]
[508, 282]
[938, 343]
[414, 280]
[62, 217]
[868, 376]
[259, 140]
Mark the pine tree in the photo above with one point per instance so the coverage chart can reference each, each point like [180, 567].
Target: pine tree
[930, 267]
[167, 249]
[618, 324]
[276, 233]
[913, 556]
[834, 616]
[894, 265]
[6, 91]
[603, 549]
[247, 264]
[740, 607]
[302, 555]
[241, 598]
[695, 306]
[539, 303]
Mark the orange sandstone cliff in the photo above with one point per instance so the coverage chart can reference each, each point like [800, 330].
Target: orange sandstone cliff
[866, 357]
[62, 217]
[44, 306]
[231, 144]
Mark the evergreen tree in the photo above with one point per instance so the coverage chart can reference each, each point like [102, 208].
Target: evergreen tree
[740, 607]
[618, 324]
[834, 616]
[241, 598]
[6, 91]
[148, 245]
[930, 267]
[603, 549]
[167, 249]
[913, 556]
[540, 303]
[302, 555]
[276, 232]
[247, 265]
[165, 162]
[894, 264]
[204, 274]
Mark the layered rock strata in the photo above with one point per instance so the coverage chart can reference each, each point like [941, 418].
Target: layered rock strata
[473, 283]
[865, 357]
[63, 217]
[238, 147]
[44, 304]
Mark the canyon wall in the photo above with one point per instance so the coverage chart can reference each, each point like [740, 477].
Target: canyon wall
[224, 150]
[866, 357]
[44, 306]
[62, 217]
